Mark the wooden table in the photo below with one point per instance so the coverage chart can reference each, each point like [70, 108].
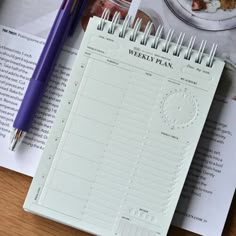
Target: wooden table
[14, 221]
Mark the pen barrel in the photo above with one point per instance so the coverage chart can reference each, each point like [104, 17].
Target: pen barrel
[50, 52]
[29, 105]
[53, 45]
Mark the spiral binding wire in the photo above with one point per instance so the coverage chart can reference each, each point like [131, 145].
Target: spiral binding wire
[114, 22]
[200, 51]
[146, 35]
[135, 30]
[211, 56]
[125, 25]
[105, 16]
[188, 52]
[179, 44]
[167, 41]
[157, 37]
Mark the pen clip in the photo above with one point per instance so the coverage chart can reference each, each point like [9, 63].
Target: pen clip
[78, 11]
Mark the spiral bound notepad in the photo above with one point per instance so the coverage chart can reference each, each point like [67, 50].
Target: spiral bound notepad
[126, 131]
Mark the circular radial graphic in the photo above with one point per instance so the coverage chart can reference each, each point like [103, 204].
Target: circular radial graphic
[179, 109]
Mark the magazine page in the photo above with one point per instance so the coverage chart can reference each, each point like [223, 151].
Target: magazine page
[210, 185]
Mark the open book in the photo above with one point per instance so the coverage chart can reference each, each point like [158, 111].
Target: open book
[125, 134]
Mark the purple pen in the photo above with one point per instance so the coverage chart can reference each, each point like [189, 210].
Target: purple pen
[44, 67]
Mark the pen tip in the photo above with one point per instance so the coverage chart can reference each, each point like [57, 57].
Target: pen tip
[15, 138]
[13, 144]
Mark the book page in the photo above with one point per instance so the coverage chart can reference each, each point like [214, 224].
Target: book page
[19, 53]
[125, 151]
[21, 42]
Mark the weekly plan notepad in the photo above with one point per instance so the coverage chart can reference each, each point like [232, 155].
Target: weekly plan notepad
[126, 131]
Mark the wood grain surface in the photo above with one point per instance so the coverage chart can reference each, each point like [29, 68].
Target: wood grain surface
[14, 221]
